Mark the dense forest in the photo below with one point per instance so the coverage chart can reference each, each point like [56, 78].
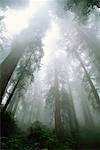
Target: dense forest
[50, 74]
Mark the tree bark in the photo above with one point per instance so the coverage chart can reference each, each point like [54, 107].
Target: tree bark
[8, 66]
[88, 117]
[9, 99]
[94, 91]
[15, 106]
[12, 103]
[58, 123]
[15, 86]
[72, 114]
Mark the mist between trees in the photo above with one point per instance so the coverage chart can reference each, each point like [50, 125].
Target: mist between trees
[50, 74]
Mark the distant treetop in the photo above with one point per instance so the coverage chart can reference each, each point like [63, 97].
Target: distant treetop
[80, 7]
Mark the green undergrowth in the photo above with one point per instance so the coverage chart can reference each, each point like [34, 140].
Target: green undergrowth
[37, 137]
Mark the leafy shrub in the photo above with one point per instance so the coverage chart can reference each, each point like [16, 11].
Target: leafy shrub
[38, 137]
[11, 136]
[42, 137]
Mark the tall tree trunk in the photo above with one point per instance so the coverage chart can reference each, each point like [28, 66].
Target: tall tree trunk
[94, 91]
[12, 103]
[8, 66]
[15, 86]
[24, 111]
[88, 117]
[58, 123]
[72, 114]
[15, 106]
[9, 99]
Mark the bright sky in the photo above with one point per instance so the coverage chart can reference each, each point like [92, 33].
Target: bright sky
[50, 42]
[17, 20]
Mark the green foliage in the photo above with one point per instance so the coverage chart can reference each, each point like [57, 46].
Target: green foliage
[42, 137]
[13, 143]
[81, 7]
[38, 137]
[11, 136]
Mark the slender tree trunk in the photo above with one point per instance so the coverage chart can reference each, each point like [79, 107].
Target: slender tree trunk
[72, 114]
[87, 116]
[58, 123]
[11, 105]
[11, 94]
[31, 113]
[24, 112]
[12, 102]
[89, 126]
[15, 106]
[9, 99]
[94, 91]
[8, 66]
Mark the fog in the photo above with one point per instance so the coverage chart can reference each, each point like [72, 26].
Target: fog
[55, 66]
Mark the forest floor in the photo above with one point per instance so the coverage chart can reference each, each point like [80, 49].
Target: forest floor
[37, 137]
